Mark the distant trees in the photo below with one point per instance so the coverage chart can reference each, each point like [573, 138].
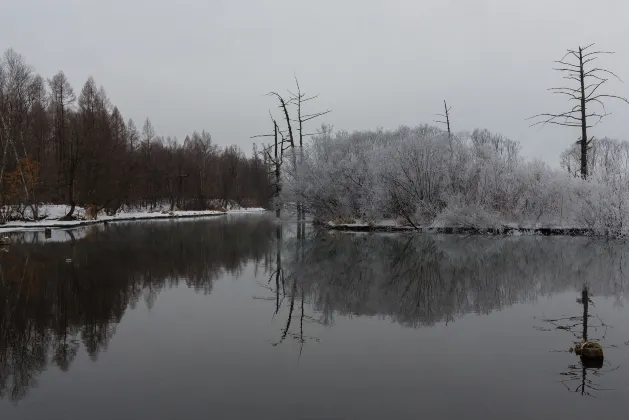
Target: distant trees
[589, 109]
[57, 147]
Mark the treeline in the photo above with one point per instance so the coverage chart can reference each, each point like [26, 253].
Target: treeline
[57, 146]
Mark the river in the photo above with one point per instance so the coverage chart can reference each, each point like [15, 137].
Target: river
[217, 318]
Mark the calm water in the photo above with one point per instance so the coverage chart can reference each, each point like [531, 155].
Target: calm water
[213, 319]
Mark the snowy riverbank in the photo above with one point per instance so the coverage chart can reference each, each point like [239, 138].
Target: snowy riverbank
[52, 214]
[508, 229]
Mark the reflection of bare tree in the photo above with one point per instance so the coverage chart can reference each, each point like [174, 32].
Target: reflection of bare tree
[49, 307]
[583, 376]
[586, 385]
[296, 290]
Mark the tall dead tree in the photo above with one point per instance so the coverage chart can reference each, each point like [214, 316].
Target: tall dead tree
[589, 109]
[298, 99]
[446, 116]
[274, 154]
[285, 140]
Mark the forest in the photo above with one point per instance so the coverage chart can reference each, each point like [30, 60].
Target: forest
[58, 146]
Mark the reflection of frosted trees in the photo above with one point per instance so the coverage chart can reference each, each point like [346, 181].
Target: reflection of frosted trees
[420, 280]
[49, 309]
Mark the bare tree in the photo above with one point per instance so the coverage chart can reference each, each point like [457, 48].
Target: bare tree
[298, 99]
[62, 97]
[589, 109]
[446, 116]
[148, 132]
[274, 154]
[283, 143]
[19, 89]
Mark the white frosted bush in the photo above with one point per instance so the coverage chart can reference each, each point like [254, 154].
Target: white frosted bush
[429, 178]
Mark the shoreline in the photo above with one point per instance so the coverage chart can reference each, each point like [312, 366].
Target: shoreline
[506, 231]
[58, 224]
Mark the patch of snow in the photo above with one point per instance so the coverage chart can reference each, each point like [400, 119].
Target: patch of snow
[246, 210]
[121, 216]
[56, 211]
[388, 223]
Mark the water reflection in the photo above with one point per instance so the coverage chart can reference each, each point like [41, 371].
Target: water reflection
[55, 297]
[587, 330]
[51, 310]
[421, 280]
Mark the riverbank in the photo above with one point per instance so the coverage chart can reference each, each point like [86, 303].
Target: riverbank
[467, 230]
[53, 222]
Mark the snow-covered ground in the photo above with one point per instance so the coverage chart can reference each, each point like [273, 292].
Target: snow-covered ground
[246, 210]
[52, 213]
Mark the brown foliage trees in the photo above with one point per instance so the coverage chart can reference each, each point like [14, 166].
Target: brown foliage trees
[57, 147]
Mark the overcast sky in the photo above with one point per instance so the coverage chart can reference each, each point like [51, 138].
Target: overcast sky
[205, 64]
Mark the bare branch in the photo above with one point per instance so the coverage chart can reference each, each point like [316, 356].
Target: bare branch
[313, 116]
[596, 86]
[585, 76]
[565, 88]
[564, 63]
[611, 96]
[572, 96]
[597, 101]
[601, 70]
[565, 69]
[597, 53]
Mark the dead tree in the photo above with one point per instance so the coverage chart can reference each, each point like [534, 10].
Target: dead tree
[589, 109]
[283, 143]
[446, 117]
[284, 108]
[298, 99]
[274, 154]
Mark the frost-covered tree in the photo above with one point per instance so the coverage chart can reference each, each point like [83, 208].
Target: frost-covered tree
[423, 177]
[586, 91]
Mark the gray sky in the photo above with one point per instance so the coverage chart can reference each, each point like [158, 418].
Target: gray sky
[194, 64]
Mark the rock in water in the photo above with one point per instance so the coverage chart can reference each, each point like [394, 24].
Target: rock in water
[591, 353]
[591, 349]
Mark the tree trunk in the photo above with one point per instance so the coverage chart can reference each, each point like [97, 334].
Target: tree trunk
[584, 136]
[69, 216]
